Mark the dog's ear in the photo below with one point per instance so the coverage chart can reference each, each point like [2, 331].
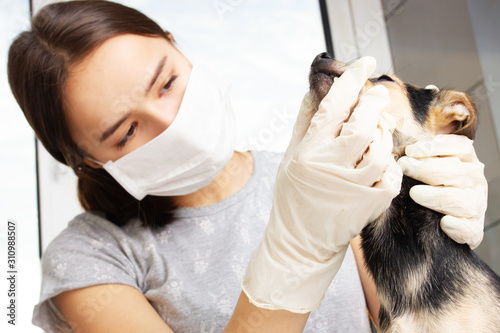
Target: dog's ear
[453, 112]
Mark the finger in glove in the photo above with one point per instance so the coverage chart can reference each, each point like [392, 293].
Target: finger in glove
[302, 123]
[363, 125]
[463, 231]
[444, 145]
[449, 171]
[344, 92]
[449, 200]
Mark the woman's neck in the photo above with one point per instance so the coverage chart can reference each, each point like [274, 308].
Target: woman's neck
[230, 180]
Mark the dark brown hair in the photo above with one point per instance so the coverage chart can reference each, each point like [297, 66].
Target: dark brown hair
[39, 59]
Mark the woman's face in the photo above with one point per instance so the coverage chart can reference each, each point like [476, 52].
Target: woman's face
[124, 94]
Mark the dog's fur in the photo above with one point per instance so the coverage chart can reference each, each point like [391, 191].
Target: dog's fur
[425, 281]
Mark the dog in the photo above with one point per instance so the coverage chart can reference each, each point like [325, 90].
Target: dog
[425, 281]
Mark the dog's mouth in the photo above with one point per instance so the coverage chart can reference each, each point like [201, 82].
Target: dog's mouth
[324, 70]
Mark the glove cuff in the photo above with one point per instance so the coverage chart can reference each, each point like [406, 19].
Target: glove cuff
[271, 284]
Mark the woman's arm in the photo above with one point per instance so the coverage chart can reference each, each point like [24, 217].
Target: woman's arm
[372, 301]
[249, 318]
[120, 308]
[109, 308]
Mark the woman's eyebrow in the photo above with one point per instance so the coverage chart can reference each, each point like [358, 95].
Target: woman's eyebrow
[157, 73]
[107, 133]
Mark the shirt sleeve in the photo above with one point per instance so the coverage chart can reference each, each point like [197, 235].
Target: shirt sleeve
[90, 251]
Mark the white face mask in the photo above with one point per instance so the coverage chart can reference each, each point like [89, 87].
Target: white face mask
[190, 152]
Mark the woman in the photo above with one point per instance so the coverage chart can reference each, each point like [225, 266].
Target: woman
[172, 213]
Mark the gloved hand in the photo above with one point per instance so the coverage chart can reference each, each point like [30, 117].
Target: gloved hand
[457, 185]
[336, 176]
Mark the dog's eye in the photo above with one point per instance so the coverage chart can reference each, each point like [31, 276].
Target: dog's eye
[384, 78]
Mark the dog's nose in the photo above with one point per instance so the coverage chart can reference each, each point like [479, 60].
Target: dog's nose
[324, 55]
[322, 61]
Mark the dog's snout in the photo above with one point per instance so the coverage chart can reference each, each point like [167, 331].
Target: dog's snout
[321, 61]
[325, 64]
[324, 69]
[323, 55]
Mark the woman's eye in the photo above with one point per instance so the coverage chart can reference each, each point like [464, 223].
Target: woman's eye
[168, 85]
[130, 133]
[385, 78]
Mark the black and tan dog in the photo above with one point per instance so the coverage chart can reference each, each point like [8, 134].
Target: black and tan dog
[425, 281]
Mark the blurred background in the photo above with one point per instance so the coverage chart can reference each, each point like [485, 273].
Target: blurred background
[264, 49]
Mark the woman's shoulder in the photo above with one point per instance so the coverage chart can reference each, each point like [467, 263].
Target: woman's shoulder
[89, 226]
[94, 250]
[88, 221]
[90, 237]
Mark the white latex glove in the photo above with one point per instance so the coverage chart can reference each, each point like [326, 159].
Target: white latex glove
[457, 185]
[336, 176]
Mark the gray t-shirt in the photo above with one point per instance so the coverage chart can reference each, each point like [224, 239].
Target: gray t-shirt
[190, 270]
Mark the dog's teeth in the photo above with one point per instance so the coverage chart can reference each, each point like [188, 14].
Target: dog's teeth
[335, 79]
